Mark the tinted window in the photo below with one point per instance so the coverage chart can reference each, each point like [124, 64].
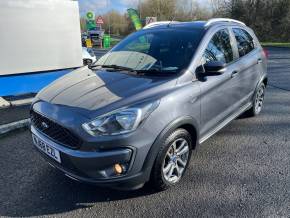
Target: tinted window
[245, 41]
[164, 50]
[219, 48]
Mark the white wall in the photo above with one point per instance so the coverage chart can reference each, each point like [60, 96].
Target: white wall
[39, 35]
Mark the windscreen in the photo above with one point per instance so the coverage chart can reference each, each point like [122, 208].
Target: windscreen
[165, 51]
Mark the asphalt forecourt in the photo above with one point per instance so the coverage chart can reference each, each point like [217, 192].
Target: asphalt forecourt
[241, 171]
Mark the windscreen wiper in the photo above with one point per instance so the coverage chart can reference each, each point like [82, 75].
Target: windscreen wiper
[131, 70]
[155, 72]
[113, 66]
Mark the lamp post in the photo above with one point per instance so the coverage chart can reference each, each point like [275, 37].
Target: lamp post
[140, 9]
[109, 19]
[191, 10]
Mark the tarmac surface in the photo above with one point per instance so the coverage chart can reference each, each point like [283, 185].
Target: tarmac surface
[12, 114]
[244, 170]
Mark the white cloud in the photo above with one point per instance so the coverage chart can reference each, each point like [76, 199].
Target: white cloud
[129, 3]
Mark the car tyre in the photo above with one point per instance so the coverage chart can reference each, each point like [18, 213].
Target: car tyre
[172, 160]
[257, 101]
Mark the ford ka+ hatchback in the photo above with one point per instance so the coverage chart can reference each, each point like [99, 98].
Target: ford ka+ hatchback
[136, 114]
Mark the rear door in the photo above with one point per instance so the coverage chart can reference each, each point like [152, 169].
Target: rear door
[219, 93]
[249, 63]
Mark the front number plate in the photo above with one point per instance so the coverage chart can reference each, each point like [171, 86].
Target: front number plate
[47, 149]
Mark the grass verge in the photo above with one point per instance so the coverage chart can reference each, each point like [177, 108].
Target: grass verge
[276, 44]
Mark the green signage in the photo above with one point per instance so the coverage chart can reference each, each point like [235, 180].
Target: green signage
[90, 15]
[91, 25]
[107, 41]
[90, 20]
[133, 14]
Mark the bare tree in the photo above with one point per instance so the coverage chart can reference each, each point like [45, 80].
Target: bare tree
[269, 18]
[182, 10]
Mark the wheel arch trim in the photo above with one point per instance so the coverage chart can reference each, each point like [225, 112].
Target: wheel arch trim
[175, 124]
[263, 78]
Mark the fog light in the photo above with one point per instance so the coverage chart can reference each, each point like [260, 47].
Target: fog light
[118, 168]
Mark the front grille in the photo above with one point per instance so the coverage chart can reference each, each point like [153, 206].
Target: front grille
[54, 131]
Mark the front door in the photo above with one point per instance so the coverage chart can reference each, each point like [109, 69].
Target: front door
[219, 93]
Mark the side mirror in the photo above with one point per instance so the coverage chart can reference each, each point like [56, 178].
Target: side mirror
[214, 68]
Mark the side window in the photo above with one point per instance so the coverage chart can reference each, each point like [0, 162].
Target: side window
[219, 48]
[245, 41]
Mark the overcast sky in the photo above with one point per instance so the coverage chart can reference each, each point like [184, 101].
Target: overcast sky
[102, 6]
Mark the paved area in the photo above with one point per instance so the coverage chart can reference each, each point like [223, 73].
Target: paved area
[242, 171]
[100, 52]
[13, 114]
[4, 103]
[279, 67]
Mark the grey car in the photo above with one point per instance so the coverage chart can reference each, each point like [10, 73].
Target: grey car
[136, 114]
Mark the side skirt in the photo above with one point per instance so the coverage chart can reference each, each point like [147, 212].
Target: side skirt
[225, 122]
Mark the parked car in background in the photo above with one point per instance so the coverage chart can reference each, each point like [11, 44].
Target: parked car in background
[136, 114]
[89, 56]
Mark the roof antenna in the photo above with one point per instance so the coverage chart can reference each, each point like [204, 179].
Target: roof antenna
[173, 18]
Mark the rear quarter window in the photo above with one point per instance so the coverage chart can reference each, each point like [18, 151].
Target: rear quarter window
[245, 41]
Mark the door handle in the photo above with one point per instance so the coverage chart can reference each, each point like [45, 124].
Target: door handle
[259, 61]
[234, 73]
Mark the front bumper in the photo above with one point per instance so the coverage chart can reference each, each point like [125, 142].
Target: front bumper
[95, 167]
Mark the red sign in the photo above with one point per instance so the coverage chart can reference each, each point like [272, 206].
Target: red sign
[99, 20]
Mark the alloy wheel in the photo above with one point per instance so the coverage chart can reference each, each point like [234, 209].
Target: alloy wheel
[259, 100]
[175, 160]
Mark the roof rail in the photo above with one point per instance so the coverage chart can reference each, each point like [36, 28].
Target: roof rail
[215, 20]
[150, 25]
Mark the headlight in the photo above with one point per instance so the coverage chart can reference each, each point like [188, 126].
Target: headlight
[121, 121]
